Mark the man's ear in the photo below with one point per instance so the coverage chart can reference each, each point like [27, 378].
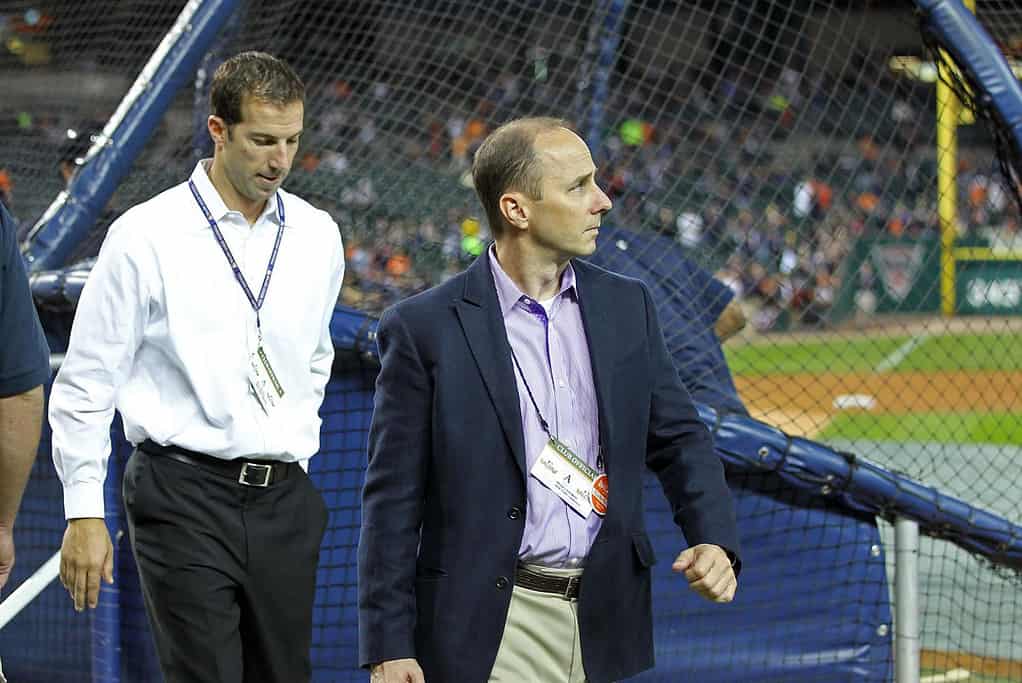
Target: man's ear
[217, 128]
[514, 206]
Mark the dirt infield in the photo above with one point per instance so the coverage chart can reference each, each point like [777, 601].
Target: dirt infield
[1004, 669]
[803, 404]
[899, 392]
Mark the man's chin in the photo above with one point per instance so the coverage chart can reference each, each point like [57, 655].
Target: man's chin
[583, 251]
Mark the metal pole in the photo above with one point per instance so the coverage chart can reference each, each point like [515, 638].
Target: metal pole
[949, 113]
[906, 601]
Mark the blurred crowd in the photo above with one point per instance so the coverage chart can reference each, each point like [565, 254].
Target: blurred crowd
[767, 197]
[776, 227]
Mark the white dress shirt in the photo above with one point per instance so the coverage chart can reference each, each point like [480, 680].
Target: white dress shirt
[163, 333]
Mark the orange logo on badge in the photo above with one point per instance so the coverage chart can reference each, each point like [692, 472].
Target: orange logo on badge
[599, 494]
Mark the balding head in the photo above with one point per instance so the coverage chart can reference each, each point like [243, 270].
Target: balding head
[507, 161]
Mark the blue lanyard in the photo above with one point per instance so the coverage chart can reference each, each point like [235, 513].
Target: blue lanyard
[256, 303]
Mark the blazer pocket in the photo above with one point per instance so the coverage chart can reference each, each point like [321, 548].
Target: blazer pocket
[136, 471]
[430, 574]
[643, 549]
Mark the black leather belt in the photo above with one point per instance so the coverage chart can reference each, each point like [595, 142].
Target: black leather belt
[565, 586]
[244, 472]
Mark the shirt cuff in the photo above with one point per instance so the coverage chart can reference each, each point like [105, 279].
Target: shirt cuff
[84, 500]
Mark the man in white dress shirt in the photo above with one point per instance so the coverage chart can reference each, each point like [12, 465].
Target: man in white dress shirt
[205, 322]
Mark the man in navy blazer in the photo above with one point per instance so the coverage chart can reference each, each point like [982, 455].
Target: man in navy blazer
[502, 519]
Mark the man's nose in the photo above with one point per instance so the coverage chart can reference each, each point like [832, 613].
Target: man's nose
[279, 158]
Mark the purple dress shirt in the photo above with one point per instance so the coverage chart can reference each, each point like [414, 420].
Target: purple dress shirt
[550, 344]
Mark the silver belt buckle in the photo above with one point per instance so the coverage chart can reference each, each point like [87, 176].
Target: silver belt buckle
[260, 474]
[572, 583]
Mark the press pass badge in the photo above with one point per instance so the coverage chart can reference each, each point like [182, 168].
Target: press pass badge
[264, 382]
[567, 475]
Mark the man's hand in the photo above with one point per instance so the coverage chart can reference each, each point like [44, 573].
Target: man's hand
[708, 571]
[6, 554]
[397, 671]
[85, 555]
[730, 322]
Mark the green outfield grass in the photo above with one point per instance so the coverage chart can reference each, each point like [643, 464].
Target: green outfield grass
[835, 355]
[994, 428]
[1001, 351]
[966, 352]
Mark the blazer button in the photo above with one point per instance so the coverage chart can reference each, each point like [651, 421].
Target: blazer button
[501, 582]
[514, 513]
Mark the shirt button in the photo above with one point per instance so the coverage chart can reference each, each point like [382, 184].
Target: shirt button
[514, 513]
[501, 582]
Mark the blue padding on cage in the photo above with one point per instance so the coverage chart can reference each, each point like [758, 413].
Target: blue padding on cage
[96, 181]
[864, 486]
[353, 330]
[813, 601]
[976, 53]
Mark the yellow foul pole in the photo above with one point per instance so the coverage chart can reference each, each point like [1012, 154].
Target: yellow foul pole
[948, 113]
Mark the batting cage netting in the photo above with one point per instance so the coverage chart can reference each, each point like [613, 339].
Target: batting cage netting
[846, 171]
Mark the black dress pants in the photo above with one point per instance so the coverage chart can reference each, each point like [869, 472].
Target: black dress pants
[228, 571]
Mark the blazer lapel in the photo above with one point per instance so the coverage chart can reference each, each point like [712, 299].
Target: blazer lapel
[594, 304]
[480, 317]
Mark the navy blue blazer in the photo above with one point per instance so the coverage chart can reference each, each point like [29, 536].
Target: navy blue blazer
[445, 487]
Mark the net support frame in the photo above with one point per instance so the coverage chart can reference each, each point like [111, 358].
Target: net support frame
[976, 53]
[124, 136]
[906, 601]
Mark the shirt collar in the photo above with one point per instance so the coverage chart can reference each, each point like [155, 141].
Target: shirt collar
[217, 208]
[509, 294]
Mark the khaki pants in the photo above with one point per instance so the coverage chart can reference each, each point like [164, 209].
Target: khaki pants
[540, 642]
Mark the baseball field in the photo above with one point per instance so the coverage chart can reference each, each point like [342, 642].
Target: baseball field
[940, 401]
[935, 387]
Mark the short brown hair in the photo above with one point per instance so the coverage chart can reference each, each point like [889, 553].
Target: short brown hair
[252, 74]
[507, 160]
